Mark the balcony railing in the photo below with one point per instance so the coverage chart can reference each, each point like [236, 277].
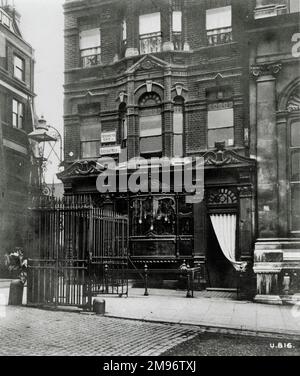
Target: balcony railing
[219, 36]
[177, 41]
[90, 57]
[150, 43]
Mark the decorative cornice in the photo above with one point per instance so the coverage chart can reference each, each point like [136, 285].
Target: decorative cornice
[265, 69]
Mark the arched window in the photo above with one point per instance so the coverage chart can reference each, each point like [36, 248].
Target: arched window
[178, 127]
[150, 125]
[294, 158]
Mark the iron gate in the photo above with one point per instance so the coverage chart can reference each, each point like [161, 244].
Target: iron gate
[77, 251]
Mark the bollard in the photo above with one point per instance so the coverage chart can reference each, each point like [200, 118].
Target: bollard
[99, 306]
[146, 280]
[16, 293]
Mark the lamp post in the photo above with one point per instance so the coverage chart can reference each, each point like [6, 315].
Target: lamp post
[45, 134]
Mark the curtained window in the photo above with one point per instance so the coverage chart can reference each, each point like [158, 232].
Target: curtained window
[90, 47]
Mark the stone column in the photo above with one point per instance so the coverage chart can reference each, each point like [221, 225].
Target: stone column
[132, 30]
[268, 255]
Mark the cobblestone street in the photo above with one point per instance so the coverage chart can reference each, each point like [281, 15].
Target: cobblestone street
[28, 331]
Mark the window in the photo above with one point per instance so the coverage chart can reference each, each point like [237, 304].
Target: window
[5, 19]
[177, 29]
[178, 129]
[294, 6]
[19, 65]
[150, 33]
[295, 174]
[124, 31]
[219, 25]
[150, 125]
[90, 137]
[17, 114]
[123, 133]
[90, 47]
[220, 118]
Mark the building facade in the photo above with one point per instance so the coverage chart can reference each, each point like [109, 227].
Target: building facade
[274, 36]
[169, 78]
[16, 121]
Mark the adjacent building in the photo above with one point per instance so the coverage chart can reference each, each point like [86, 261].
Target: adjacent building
[174, 78]
[16, 121]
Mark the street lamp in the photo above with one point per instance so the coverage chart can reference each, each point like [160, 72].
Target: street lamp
[45, 134]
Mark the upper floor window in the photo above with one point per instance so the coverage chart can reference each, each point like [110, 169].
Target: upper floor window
[17, 114]
[294, 6]
[150, 125]
[219, 25]
[123, 132]
[90, 47]
[150, 33]
[19, 68]
[5, 19]
[90, 139]
[220, 117]
[124, 31]
[177, 29]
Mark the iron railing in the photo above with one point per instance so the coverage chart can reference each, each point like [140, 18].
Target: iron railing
[76, 251]
[150, 43]
[219, 36]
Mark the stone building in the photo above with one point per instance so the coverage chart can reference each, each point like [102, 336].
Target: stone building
[171, 78]
[274, 40]
[16, 121]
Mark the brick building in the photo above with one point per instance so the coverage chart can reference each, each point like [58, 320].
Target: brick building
[16, 121]
[168, 78]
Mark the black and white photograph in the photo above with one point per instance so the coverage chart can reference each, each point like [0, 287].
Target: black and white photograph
[149, 181]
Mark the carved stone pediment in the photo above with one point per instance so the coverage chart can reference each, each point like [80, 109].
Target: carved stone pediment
[81, 168]
[146, 63]
[222, 157]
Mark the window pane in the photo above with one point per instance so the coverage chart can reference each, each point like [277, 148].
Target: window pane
[15, 120]
[295, 203]
[295, 166]
[19, 62]
[177, 21]
[124, 30]
[90, 39]
[178, 146]
[90, 149]
[151, 144]
[295, 133]
[294, 6]
[150, 125]
[178, 122]
[219, 135]
[218, 18]
[149, 23]
[90, 132]
[91, 52]
[15, 106]
[220, 118]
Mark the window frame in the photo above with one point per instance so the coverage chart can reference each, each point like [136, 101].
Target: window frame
[92, 140]
[179, 103]
[18, 69]
[95, 51]
[152, 35]
[19, 115]
[218, 35]
[220, 98]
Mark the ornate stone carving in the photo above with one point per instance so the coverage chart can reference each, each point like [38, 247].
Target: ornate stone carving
[223, 157]
[221, 196]
[81, 168]
[294, 100]
[265, 69]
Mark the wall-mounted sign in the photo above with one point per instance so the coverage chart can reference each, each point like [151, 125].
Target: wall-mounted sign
[108, 150]
[108, 137]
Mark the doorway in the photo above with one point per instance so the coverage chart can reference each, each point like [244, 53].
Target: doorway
[221, 273]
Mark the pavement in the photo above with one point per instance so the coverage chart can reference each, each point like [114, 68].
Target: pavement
[208, 313]
[212, 314]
